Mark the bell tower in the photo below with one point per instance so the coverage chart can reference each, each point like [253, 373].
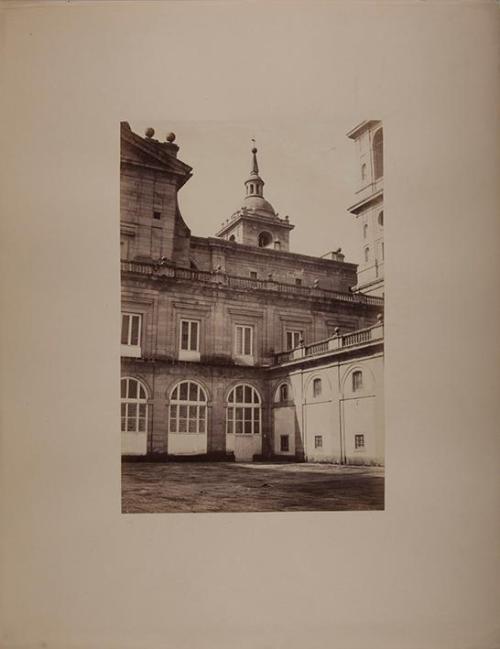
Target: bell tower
[256, 223]
[369, 206]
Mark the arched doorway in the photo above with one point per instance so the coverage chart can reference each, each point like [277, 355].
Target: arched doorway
[134, 416]
[244, 422]
[187, 428]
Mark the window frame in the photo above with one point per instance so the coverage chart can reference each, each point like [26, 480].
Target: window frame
[244, 412]
[359, 442]
[243, 328]
[200, 405]
[283, 387]
[190, 322]
[127, 348]
[357, 381]
[378, 154]
[137, 402]
[295, 333]
[318, 441]
[316, 393]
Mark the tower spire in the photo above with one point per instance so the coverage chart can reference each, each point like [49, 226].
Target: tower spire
[254, 184]
[255, 165]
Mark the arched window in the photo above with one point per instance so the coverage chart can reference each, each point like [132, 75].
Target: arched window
[243, 411]
[365, 231]
[363, 171]
[188, 408]
[134, 406]
[378, 154]
[317, 387]
[357, 380]
[265, 239]
[367, 254]
[284, 392]
[381, 219]
[232, 238]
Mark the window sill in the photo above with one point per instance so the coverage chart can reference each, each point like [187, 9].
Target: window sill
[185, 355]
[244, 360]
[131, 351]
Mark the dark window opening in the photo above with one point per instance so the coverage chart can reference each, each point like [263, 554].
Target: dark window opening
[157, 215]
[284, 443]
[359, 441]
[284, 392]
[378, 154]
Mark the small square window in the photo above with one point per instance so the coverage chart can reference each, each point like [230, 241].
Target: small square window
[284, 443]
[157, 215]
[253, 274]
[318, 441]
[359, 441]
[298, 281]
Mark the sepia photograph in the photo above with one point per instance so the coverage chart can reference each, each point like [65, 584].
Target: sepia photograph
[249, 380]
[251, 369]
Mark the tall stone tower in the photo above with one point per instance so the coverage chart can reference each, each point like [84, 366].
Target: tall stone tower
[256, 223]
[369, 206]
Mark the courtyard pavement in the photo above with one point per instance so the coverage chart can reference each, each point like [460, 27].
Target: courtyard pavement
[254, 487]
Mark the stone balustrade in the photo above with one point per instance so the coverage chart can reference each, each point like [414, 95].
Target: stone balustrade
[223, 279]
[336, 342]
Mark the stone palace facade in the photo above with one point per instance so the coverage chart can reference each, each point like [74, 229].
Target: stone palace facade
[233, 346]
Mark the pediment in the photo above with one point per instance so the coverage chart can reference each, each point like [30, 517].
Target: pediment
[150, 153]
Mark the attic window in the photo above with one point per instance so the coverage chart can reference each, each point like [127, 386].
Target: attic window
[298, 281]
[157, 215]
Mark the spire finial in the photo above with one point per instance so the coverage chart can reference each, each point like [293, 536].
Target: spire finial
[255, 166]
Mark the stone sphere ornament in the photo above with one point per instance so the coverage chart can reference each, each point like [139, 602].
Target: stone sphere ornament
[170, 137]
[150, 132]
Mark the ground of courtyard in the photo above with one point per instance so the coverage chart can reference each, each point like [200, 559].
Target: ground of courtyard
[255, 487]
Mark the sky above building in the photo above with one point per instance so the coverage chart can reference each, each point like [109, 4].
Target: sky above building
[310, 173]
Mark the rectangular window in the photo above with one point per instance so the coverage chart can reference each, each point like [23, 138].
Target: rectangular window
[190, 335]
[157, 215]
[131, 334]
[253, 274]
[124, 247]
[284, 443]
[359, 441]
[298, 282]
[318, 441]
[293, 339]
[357, 380]
[244, 340]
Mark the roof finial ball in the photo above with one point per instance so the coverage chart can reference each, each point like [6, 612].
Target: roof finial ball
[254, 150]
[149, 132]
[170, 137]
